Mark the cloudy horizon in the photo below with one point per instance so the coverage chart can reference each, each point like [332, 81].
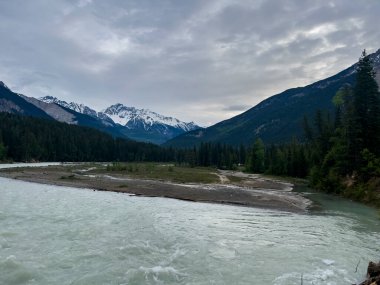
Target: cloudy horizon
[202, 61]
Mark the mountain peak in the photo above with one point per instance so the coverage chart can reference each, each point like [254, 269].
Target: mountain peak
[117, 108]
[48, 99]
[3, 85]
[132, 117]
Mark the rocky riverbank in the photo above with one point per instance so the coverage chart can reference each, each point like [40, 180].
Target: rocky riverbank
[231, 188]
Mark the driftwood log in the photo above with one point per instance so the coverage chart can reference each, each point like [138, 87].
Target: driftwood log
[373, 274]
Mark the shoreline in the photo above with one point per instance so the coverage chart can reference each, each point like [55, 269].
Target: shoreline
[250, 190]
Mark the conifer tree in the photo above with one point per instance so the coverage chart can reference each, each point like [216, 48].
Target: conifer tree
[2, 151]
[367, 108]
[256, 159]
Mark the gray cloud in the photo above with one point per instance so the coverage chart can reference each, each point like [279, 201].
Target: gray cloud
[236, 108]
[196, 60]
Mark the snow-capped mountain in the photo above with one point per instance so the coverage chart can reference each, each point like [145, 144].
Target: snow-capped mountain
[132, 118]
[80, 108]
[138, 124]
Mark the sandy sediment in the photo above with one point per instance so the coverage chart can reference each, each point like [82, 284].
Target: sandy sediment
[252, 190]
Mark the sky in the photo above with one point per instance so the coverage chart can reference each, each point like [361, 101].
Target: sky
[196, 60]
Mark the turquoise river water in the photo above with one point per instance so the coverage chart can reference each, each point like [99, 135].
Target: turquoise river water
[60, 235]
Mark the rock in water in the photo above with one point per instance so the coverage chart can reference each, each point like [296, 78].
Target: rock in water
[373, 269]
[373, 274]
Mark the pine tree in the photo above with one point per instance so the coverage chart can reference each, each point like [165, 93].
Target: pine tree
[343, 139]
[367, 107]
[257, 157]
[3, 151]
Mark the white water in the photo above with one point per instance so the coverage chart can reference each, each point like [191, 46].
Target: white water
[60, 235]
[31, 164]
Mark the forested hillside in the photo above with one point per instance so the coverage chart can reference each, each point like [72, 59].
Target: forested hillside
[25, 138]
[341, 153]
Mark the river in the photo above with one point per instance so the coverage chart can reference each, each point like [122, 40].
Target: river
[60, 235]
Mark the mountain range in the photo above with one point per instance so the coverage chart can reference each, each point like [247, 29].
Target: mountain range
[138, 124]
[279, 118]
[117, 120]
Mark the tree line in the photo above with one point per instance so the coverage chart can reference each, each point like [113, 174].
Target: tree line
[24, 138]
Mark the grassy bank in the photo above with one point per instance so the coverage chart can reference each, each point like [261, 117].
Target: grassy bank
[161, 171]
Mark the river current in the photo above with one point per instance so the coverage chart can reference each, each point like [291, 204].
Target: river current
[59, 235]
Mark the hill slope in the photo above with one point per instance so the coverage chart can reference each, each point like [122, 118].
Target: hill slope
[276, 119]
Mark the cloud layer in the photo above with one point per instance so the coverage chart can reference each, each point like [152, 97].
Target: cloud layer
[196, 60]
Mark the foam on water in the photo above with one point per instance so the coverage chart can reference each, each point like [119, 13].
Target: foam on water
[37, 164]
[320, 276]
[328, 261]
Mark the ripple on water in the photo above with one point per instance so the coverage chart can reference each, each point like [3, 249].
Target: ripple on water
[58, 235]
[14, 272]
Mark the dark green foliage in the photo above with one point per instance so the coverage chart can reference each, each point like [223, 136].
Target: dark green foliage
[207, 154]
[371, 166]
[367, 107]
[340, 154]
[31, 139]
[2, 151]
[28, 138]
[350, 161]
[285, 160]
[255, 161]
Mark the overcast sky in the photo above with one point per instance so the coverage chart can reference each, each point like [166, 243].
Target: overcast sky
[197, 60]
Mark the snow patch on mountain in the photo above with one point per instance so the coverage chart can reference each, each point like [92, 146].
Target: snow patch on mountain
[80, 108]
